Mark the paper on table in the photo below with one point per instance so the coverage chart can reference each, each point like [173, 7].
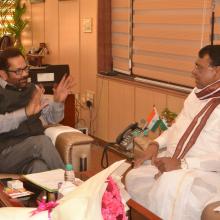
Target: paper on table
[17, 193]
[47, 180]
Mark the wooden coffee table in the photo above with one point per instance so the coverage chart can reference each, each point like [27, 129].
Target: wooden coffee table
[31, 201]
[6, 201]
[137, 212]
[27, 201]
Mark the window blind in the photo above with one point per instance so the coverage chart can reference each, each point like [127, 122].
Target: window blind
[167, 36]
[6, 10]
[121, 35]
[216, 9]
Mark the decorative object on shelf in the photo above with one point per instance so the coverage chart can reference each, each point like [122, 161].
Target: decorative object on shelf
[41, 50]
[169, 116]
[35, 56]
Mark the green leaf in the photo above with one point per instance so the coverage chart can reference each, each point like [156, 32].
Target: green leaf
[18, 24]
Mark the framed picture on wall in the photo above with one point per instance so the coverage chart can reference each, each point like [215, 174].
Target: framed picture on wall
[37, 1]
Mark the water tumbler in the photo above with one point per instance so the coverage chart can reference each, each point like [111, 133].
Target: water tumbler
[83, 162]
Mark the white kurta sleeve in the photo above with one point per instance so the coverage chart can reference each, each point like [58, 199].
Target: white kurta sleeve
[209, 162]
[162, 139]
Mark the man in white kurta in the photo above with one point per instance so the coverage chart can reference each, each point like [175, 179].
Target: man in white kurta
[184, 185]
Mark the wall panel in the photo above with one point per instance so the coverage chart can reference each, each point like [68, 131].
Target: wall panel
[121, 107]
[67, 35]
[88, 52]
[38, 23]
[102, 106]
[51, 31]
[122, 103]
[145, 99]
[175, 103]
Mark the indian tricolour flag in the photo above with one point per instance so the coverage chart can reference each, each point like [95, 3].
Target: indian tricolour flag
[153, 120]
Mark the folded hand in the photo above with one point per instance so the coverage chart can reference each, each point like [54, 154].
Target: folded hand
[149, 154]
[165, 164]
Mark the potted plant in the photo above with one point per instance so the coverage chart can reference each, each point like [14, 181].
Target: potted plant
[169, 116]
[18, 25]
[15, 26]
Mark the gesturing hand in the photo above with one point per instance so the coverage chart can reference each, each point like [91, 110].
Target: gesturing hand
[165, 164]
[63, 89]
[35, 105]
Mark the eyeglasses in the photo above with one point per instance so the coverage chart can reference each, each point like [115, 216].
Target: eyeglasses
[19, 71]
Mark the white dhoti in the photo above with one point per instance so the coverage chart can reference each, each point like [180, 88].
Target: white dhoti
[176, 195]
[182, 194]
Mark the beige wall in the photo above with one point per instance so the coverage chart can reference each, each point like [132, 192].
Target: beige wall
[117, 103]
[121, 102]
[59, 25]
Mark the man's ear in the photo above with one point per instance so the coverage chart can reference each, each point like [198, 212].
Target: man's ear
[217, 73]
[3, 75]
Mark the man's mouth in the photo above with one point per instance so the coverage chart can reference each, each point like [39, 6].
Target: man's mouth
[24, 79]
[23, 82]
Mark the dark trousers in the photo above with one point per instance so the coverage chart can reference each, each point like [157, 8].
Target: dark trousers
[34, 154]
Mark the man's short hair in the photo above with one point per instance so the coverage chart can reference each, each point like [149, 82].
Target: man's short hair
[6, 54]
[214, 53]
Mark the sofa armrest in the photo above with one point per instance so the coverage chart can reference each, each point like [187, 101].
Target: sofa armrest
[55, 130]
[67, 140]
[70, 143]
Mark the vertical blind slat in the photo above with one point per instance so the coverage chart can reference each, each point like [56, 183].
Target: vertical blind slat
[121, 23]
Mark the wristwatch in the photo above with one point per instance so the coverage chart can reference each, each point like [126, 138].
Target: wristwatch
[183, 164]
